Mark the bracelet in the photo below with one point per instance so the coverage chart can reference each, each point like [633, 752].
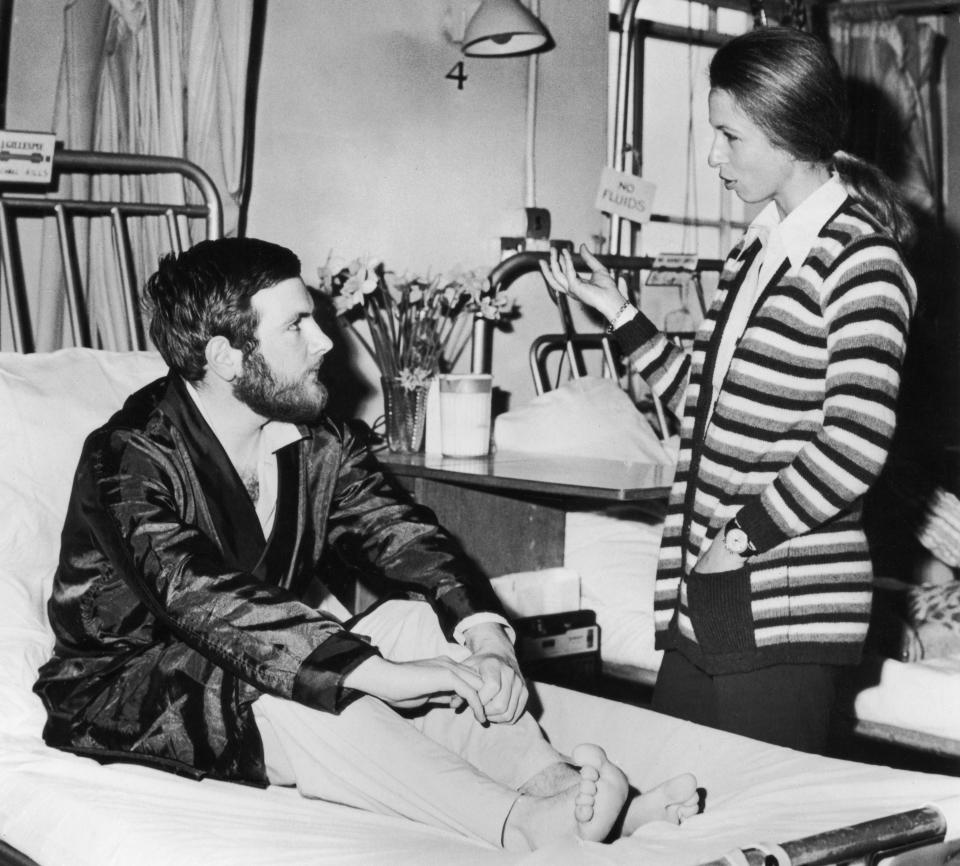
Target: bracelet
[623, 308]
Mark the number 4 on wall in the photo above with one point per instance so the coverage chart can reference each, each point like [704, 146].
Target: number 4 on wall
[457, 74]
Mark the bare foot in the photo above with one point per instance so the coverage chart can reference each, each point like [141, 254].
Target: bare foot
[602, 792]
[588, 809]
[673, 801]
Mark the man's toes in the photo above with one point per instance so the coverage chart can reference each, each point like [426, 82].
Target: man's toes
[679, 812]
[583, 813]
[589, 754]
[605, 785]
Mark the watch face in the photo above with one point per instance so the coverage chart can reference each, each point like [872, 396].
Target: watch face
[736, 540]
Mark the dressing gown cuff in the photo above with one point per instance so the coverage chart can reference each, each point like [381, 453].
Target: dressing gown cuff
[319, 682]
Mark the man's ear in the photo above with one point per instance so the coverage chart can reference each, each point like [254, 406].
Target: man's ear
[223, 360]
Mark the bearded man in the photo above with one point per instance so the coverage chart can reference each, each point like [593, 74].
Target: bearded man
[201, 515]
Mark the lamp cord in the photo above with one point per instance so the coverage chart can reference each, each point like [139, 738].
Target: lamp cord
[530, 163]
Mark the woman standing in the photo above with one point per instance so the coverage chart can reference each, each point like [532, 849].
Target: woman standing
[787, 403]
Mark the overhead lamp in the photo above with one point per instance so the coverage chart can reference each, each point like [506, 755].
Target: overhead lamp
[504, 28]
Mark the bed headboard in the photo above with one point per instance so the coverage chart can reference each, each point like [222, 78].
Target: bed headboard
[122, 196]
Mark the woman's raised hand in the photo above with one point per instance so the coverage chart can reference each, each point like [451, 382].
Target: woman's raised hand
[598, 289]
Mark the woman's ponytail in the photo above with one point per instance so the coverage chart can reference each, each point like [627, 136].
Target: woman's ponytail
[878, 194]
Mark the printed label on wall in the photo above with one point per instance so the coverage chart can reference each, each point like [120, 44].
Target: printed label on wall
[625, 195]
[26, 157]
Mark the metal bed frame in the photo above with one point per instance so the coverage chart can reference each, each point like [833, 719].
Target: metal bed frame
[887, 840]
[17, 205]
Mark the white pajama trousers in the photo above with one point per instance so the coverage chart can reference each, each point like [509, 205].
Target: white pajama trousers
[436, 766]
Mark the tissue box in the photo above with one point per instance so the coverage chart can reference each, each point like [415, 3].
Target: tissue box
[532, 593]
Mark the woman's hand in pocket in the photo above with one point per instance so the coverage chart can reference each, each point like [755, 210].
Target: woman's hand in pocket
[717, 558]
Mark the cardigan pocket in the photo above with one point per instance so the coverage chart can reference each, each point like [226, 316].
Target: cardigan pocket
[720, 611]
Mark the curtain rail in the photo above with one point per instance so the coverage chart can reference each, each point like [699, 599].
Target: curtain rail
[864, 10]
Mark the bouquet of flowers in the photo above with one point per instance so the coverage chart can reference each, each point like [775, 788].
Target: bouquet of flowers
[418, 325]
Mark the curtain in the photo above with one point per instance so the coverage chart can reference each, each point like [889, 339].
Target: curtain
[892, 69]
[890, 66]
[161, 77]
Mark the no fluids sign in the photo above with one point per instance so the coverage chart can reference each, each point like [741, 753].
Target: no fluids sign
[625, 195]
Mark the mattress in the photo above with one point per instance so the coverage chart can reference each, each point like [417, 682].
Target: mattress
[62, 810]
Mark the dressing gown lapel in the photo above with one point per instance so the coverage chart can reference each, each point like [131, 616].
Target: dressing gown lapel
[280, 554]
[234, 518]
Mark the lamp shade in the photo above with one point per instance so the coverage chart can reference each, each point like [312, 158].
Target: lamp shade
[501, 28]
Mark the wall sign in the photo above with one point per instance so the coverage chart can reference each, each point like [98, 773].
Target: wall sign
[673, 269]
[625, 195]
[26, 157]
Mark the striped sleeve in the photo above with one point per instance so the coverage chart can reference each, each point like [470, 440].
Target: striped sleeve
[661, 363]
[868, 300]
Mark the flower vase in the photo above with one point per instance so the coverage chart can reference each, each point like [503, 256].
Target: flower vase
[405, 411]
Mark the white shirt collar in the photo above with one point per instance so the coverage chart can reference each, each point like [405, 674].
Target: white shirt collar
[274, 434]
[795, 234]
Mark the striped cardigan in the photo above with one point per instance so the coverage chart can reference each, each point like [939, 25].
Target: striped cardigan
[800, 430]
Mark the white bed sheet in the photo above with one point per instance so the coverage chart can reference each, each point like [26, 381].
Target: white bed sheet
[755, 792]
[62, 810]
[66, 811]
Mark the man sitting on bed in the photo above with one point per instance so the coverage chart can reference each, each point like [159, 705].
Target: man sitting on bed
[199, 515]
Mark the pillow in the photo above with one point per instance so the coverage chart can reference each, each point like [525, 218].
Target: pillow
[586, 417]
[51, 402]
[25, 644]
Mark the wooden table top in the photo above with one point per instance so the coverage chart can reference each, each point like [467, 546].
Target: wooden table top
[546, 474]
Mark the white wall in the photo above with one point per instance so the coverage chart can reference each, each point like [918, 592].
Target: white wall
[35, 49]
[364, 147]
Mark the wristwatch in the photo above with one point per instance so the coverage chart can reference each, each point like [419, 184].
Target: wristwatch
[736, 540]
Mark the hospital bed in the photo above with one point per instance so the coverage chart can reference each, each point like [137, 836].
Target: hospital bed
[910, 705]
[58, 809]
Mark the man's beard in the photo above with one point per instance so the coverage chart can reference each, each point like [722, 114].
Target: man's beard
[299, 401]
